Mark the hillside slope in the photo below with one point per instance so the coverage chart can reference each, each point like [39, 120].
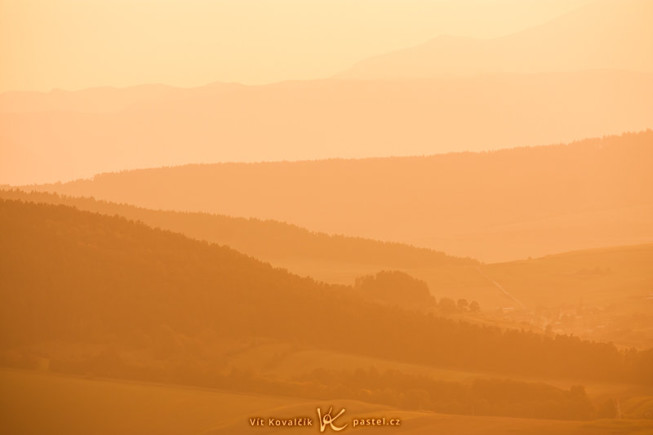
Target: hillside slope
[86, 291]
[271, 241]
[616, 276]
[495, 206]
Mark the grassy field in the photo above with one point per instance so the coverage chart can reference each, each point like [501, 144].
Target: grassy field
[283, 360]
[44, 403]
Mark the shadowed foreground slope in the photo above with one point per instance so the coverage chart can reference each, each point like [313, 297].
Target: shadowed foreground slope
[94, 295]
[174, 410]
[82, 277]
[601, 294]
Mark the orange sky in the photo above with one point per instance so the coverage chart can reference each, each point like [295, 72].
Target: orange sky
[74, 44]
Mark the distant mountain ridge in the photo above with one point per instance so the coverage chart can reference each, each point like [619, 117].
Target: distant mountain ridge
[607, 34]
[101, 99]
[78, 137]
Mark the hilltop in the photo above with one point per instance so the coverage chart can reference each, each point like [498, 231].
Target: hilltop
[493, 206]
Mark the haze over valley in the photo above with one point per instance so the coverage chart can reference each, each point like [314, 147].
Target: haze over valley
[239, 217]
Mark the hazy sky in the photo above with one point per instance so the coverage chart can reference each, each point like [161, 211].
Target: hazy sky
[73, 44]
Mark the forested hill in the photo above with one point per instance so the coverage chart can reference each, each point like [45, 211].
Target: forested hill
[68, 276]
[493, 206]
[263, 239]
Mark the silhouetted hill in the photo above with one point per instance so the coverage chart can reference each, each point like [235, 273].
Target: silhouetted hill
[585, 281]
[315, 120]
[593, 277]
[117, 288]
[271, 241]
[606, 34]
[502, 205]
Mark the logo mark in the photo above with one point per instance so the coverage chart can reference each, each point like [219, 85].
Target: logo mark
[329, 420]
